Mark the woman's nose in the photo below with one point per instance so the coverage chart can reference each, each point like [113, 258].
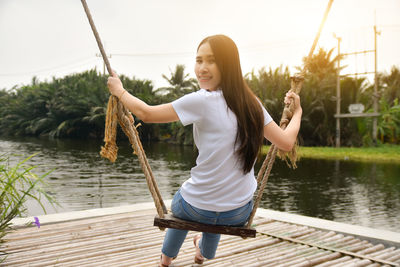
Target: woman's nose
[203, 68]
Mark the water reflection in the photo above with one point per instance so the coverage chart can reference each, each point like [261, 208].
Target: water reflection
[366, 194]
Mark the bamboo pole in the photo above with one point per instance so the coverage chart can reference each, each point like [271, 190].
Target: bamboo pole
[395, 257]
[344, 252]
[51, 238]
[87, 243]
[299, 259]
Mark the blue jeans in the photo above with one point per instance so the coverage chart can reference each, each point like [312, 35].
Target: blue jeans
[209, 242]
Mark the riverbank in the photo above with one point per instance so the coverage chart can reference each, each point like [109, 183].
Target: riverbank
[384, 153]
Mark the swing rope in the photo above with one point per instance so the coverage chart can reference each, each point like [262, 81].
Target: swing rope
[266, 167]
[295, 86]
[116, 112]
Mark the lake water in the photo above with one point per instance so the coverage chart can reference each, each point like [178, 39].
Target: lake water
[366, 194]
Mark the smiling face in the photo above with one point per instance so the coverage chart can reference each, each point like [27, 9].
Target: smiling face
[206, 69]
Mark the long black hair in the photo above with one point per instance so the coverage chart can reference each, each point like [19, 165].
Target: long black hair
[239, 98]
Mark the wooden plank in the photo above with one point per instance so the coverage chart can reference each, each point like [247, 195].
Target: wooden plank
[356, 115]
[172, 222]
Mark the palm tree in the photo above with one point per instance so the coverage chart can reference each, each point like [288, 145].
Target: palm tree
[391, 85]
[270, 86]
[180, 83]
[318, 99]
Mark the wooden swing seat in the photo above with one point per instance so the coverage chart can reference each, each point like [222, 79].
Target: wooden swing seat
[170, 221]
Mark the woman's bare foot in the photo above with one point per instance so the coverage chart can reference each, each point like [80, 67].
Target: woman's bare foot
[198, 258]
[165, 261]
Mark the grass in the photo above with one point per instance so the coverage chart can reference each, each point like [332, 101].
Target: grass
[18, 183]
[383, 153]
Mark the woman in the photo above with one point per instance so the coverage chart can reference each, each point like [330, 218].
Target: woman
[229, 124]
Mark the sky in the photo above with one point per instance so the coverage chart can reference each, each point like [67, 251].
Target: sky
[145, 39]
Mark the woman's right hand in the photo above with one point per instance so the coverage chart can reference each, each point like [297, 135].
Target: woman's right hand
[115, 85]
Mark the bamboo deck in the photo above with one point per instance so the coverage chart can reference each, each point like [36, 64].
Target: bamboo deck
[129, 239]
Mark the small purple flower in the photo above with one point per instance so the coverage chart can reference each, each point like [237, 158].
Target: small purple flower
[37, 222]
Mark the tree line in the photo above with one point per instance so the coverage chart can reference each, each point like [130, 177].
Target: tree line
[75, 106]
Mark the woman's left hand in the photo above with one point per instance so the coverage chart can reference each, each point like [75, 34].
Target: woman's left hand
[292, 97]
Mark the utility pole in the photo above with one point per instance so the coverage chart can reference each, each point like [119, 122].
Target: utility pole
[338, 97]
[104, 64]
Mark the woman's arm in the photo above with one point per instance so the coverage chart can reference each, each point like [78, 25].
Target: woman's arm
[285, 139]
[151, 114]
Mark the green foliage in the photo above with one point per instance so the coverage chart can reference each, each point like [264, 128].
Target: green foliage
[17, 184]
[318, 99]
[352, 91]
[389, 120]
[61, 108]
[390, 84]
[75, 106]
[316, 96]
[388, 124]
[270, 86]
[180, 84]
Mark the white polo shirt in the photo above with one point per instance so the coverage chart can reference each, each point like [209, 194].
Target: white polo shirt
[217, 182]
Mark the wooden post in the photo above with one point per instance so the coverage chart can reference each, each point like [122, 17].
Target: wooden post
[338, 96]
[376, 95]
